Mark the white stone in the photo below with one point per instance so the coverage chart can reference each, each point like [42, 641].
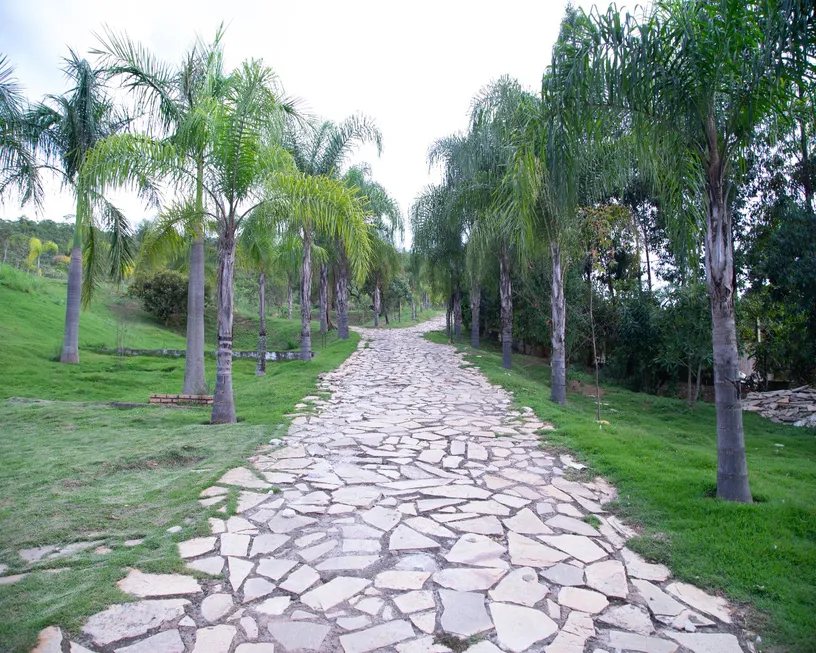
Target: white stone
[477, 550]
[520, 586]
[401, 580]
[238, 571]
[168, 641]
[529, 553]
[243, 477]
[234, 544]
[377, 637]
[267, 543]
[658, 601]
[634, 642]
[277, 605]
[255, 647]
[347, 563]
[564, 574]
[608, 577]
[250, 628]
[157, 585]
[584, 600]
[456, 492]
[215, 639]
[429, 527]
[132, 619]
[488, 525]
[464, 613]
[212, 565]
[299, 635]
[255, 588]
[628, 617]
[49, 640]
[415, 601]
[425, 621]
[519, 627]
[573, 635]
[301, 580]
[699, 600]
[216, 606]
[404, 538]
[488, 507]
[708, 642]
[578, 546]
[383, 518]
[468, 579]
[637, 567]
[274, 568]
[196, 547]
[335, 591]
[354, 623]
[527, 523]
[317, 551]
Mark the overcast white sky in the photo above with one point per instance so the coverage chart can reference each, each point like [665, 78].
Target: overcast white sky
[412, 66]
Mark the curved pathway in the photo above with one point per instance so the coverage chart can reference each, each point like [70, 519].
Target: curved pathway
[416, 513]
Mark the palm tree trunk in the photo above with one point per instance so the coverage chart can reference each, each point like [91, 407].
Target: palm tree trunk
[223, 402]
[732, 467]
[306, 299]
[457, 313]
[330, 301]
[289, 292]
[260, 368]
[506, 299]
[558, 363]
[324, 296]
[399, 310]
[341, 297]
[195, 380]
[70, 343]
[376, 299]
[475, 305]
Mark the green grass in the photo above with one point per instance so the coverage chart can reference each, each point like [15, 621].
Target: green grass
[662, 457]
[424, 316]
[72, 471]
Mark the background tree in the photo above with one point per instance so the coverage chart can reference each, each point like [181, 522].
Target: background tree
[36, 248]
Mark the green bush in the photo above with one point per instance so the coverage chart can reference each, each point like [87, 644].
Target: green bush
[163, 294]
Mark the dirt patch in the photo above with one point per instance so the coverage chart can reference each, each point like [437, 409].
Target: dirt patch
[584, 389]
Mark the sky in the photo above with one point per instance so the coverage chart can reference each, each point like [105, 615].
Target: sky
[411, 66]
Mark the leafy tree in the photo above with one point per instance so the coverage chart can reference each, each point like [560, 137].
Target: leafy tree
[18, 167]
[36, 248]
[65, 129]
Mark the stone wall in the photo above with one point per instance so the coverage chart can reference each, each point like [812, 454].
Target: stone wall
[796, 407]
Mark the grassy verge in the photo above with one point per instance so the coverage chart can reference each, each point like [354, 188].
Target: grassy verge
[424, 316]
[662, 456]
[72, 472]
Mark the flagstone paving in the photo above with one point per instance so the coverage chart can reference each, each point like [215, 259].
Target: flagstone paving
[411, 508]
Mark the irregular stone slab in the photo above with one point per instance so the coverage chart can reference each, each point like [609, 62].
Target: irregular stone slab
[168, 641]
[707, 643]
[335, 591]
[578, 546]
[456, 492]
[401, 580]
[468, 580]
[299, 635]
[275, 606]
[425, 621]
[527, 523]
[36, 554]
[488, 507]
[360, 532]
[317, 551]
[426, 505]
[49, 641]
[488, 525]
[238, 571]
[525, 552]
[383, 518]
[377, 637]
[464, 613]
[415, 601]
[301, 580]
[627, 617]
[288, 521]
[429, 527]
[571, 638]
[520, 627]
[275, 568]
[404, 538]
[196, 547]
[267, 543]
[511, 501]
[633, 642]
[608, 577]
[234, 544]
[699, 600]
[361, 546]
[563, 574]
[250, 627]
[243, 477]
[658, 601]
[216, 606]
[584, 600]
[520, 586]
[156, 585]
[353, 623]
[484, 647]
[213, 565]
[347, 563]
[255, 647]
[477, 550]
[417, 562]
[356, 496]
[132, 619]
[637, 567]
[421, 645]
[255, 588]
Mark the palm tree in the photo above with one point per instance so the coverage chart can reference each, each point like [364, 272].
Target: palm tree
[18, 167]
[322, 150]
[695, 79]
[256, 254]
[66, 129]
[36, 248]
[178, 100]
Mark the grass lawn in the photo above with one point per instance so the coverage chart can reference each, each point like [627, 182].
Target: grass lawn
[662, 456]
[424, 316]
[74, 472]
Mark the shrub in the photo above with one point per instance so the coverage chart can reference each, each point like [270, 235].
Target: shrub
[164, 294]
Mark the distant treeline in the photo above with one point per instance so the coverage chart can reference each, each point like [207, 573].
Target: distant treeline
[15, 237]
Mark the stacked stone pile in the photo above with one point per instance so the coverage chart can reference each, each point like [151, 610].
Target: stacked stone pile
[796, 407]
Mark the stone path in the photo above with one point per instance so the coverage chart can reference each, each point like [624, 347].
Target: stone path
[415, 513]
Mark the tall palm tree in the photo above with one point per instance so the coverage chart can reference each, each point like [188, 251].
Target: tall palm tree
[322, 150]
[177, 100]
[18, 167]
[66, 129]
[36, 248]
[256, 254]
[695, 78]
